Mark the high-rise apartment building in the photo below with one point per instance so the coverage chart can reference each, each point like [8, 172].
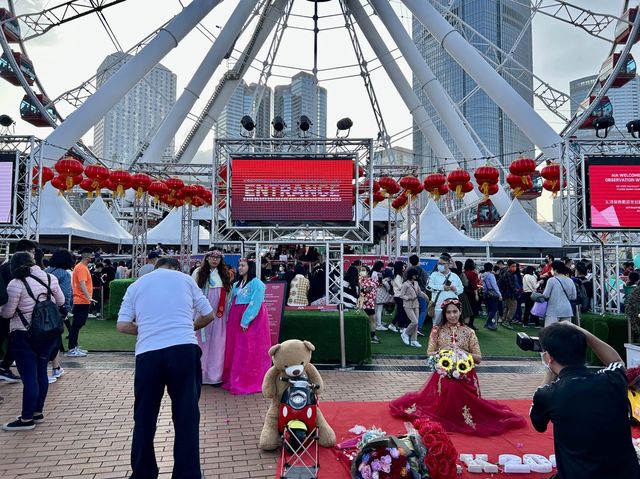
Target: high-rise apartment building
[501, 22]
[240, 104]
[625, 101]
[301, 97]
[133, 120]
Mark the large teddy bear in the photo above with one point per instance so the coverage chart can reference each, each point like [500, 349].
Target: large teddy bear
[291, 359]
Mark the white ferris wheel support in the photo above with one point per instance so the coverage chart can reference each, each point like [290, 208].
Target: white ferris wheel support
[496, 87]
[437, 95]
[201, 77]
[410, 99]
[230, 81]
[114, 89]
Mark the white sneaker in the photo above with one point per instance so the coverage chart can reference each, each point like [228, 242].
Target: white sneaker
[381, 328]
[82, 350]
[416, 344]
[75, 353]
[405, 339]
[392, 327]
[57, 372]
[52, 379]
[402, 330]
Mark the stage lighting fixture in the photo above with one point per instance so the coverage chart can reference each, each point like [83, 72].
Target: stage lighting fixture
[247, 123]
[278, 124]
[344, 124]
[633, 127]
[304, 123]
[6, 121]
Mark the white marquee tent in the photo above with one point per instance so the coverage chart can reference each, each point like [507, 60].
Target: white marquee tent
[98, 216]
[517, 229]
[58, 218]
[167, 231]
[436, 231]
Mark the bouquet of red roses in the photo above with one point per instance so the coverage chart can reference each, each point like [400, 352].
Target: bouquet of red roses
[441, 453]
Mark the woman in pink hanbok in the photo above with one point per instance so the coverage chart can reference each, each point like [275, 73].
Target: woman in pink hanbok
[246, 354]
[214, 280]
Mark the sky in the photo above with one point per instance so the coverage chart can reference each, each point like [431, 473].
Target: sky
[70, 54]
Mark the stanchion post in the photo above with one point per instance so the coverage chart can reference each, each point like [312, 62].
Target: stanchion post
[343, 346]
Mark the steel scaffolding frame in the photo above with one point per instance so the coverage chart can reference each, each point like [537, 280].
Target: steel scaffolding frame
[26, 200]
[139, 233]
[606, 247]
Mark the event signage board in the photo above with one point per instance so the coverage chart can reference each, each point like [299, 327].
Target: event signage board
[7, 167]
[274, 303]
[612, 192]
[292, 189]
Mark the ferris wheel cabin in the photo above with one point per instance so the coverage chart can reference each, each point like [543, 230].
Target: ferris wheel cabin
[623, 28]
[486, 215]
[604, 110]
[26, 67]
[625, 75]
[535, 191]
[10, 26]
[30, 113]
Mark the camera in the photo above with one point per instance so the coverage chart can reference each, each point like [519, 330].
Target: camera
[528, 343]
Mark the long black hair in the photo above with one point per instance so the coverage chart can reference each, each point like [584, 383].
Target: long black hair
[205, 270]
[251, 272]
[21, 264]
[351, 276]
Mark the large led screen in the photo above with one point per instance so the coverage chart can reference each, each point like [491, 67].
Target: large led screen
[7, 164]
[613, 192]
[301, 189]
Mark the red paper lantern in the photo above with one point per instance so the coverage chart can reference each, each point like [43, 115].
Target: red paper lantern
[140, 182]
[388, 186]
[412, 185]
[518, 186]
[524, 168]
[87, 185]
[485, 177]
[457, 179]
[47, 176]
[175, 185]
[98, 174]
[120, 181]
[442, 190]
[157, 189]
[59, 183]
[189, 192]
[67, 168]
[432, 184]
[207, 196]
[400, 202]
[107, 185]
[551, 174]
[197, 201]
[467, 188]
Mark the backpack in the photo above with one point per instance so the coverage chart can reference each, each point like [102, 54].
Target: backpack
[582, 298]
[46, 321]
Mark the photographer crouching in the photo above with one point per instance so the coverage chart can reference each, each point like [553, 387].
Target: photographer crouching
[589, 410]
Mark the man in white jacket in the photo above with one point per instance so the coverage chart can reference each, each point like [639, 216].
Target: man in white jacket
[444, 284]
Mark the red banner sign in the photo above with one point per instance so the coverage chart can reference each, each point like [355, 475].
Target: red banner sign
[274, 304]
[614, 193]
[292, 189]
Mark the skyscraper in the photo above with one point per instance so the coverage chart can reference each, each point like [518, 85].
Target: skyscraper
[133, 120]
[625, 101]
[300, 98]
[501, 22]
[240, 104]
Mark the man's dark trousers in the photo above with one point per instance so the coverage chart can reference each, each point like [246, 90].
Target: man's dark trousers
[178, 368]
[80, 315]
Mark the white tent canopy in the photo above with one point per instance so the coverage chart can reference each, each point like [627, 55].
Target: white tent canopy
[437, 231]
[168, 230]
[517, 229]
[98, 216]
[58, 218]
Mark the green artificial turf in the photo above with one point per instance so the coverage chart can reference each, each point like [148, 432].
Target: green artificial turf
[103, 336]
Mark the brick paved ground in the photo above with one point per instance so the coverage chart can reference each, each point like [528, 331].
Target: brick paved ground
[87, 434]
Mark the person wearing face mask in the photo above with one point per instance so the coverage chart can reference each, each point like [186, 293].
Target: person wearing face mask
[444, 284]
[456, 403]
[589, 410]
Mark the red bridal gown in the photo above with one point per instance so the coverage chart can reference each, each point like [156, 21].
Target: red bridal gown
[456, 403]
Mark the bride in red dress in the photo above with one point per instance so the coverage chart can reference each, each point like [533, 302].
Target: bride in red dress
[456, 403]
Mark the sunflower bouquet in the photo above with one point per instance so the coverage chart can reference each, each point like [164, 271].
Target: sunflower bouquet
[452, 363]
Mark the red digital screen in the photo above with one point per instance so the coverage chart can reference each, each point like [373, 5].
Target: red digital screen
[613, 192]
[292, 189]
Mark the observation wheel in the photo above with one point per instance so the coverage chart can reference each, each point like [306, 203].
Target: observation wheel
[350, 42]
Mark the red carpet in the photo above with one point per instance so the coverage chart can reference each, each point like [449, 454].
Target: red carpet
[344, 415]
